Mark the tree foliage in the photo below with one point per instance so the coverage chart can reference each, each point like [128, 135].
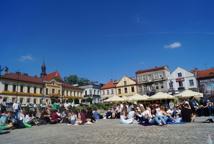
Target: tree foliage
[74, 79]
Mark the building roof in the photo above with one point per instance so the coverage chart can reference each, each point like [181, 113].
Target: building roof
[22, 77]
[152, 69]
[109, 85]
[53, 75]
[66, 85]
[209, 73]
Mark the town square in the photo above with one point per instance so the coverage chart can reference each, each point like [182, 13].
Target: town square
[110, 72]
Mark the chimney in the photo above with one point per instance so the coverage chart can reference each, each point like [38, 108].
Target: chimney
[18, 73]
[25, 74]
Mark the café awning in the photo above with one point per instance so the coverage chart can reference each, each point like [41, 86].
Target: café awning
[188, 94]
[161, 96]
[138, 97]
[115, 98]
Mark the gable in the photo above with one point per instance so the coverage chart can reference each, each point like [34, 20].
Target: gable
[184, 72]
[126, 80]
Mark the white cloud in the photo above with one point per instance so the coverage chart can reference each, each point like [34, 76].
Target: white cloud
[26, 58]
[173, 45]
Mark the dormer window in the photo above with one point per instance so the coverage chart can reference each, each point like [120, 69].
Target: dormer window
[125, 83]
[179, 74]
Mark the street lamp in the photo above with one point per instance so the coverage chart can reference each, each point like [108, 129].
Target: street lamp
[3, 69]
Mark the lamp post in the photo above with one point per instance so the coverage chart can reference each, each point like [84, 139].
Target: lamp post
[5, 68]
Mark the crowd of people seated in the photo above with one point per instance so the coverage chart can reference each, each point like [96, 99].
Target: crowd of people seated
[157, 114]
[17, 117]
[145, 114]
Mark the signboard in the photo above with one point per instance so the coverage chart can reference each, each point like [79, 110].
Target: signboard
[179, 79]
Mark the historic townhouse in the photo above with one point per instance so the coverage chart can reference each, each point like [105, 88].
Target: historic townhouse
[91, 93]
[126, 87]
[152, 80]
[181, 79]
[36, 90]
[205, 80]
[108, 89]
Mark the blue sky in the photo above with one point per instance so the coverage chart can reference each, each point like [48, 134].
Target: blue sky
[105, 39]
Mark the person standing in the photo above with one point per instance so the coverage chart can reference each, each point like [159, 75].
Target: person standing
[16, 108]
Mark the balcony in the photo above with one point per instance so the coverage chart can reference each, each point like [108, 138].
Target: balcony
[152, 80]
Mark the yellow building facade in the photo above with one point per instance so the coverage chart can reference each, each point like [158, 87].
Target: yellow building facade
[126, 86]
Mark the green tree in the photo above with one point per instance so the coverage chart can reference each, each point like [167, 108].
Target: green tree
[74, 79]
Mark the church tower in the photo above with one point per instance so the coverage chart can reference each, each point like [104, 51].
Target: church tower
[43, 68]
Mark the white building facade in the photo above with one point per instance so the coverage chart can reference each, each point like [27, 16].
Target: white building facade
[92, 91]
[181, 79]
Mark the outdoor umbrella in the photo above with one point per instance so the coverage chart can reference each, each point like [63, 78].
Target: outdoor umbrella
[115, 98]
[138, 97]
[188, 94]
[161, 96]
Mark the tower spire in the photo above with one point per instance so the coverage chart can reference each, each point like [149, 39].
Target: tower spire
[43, 68]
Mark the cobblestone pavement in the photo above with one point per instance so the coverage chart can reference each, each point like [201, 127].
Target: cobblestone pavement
[112, 132]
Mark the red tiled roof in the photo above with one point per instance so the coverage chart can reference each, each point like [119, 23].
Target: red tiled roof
[51, 76]
[110, 84]
[22, 77]
[66, 85]
[205, 73]
[152, 69]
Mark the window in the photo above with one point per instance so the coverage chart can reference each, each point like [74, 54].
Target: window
[14, 88]
[34, 101]
[46, 91]
[28, 89]
[126, 90]
[90, 92]
[28, 100]
[40, 90]
[107, 92]
[119, 91]
[125, 83]
[157, 87]
[179, 74]
[34, 89]
[162, 86]
[40, 101]
[112, 91]
[21, 88]
[191, 82]
[53, 91]
[86, 93]
[94, 92]
[21, 100]
[180, 83]
[133, 89]
[5, 87]
[13, 99]
[58, 91]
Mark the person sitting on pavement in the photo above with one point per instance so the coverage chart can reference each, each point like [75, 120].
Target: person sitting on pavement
[125, 117]
[54, 117]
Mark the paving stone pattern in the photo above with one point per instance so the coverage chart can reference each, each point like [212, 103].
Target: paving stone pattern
[112, 132]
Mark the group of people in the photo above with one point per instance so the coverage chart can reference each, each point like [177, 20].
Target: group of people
[158, 114]
[17, 117]
[128, 113]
